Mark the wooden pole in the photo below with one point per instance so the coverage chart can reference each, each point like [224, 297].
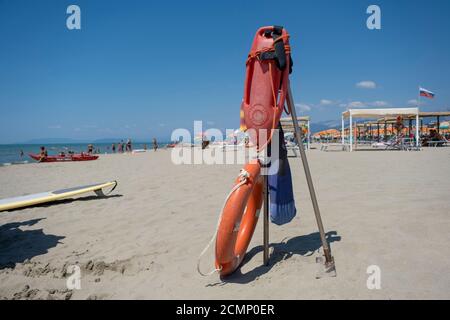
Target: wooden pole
[266, 219]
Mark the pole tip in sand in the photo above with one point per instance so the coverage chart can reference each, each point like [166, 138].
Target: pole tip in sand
[326, 269]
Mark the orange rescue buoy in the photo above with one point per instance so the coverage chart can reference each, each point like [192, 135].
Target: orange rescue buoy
[239, 218]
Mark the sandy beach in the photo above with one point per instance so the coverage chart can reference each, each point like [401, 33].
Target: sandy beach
[389, 209]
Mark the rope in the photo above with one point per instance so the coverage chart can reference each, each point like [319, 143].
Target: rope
[243, 177]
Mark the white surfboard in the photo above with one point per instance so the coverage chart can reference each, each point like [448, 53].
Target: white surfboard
[37, 198]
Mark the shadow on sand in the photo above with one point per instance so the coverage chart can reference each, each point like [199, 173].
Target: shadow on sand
[304, 245]
[17, 245]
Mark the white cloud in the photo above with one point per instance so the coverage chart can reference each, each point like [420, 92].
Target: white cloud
[414, 102]
[362, 104]
[326, 102]
[303, 107]
[356, 104]
[366, 84]
[379, 104]
[56, 126]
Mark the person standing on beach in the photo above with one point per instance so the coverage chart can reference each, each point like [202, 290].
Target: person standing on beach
[21, 153]
[43, 154]
[113, 148]
[121, 146]
[399, 125]
[129, 148]
[90, 149]
[155, 144]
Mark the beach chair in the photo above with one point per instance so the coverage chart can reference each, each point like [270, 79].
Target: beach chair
[409, 144]
[394, 143]
[437, 143]
[293, 147]
[329, 146]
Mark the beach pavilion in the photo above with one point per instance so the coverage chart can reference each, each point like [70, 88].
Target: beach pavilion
[438, 115]
[351, 114]
[304, 122]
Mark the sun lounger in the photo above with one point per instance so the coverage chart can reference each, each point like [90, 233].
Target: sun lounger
[335, 146]
[437, 143]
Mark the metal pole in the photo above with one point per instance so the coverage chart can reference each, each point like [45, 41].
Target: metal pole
[351, 132]
[378, 131]
[266, 219]
[329, 261]
[409, 127]
[418, 120]
[309, 134]
[417, 129]
[385, 131]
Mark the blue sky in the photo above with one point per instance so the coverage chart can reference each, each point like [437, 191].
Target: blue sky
[143, 68]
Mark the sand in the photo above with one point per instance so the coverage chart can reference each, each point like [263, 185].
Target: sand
[390, 209]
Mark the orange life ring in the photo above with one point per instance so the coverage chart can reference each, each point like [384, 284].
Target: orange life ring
[239, 218]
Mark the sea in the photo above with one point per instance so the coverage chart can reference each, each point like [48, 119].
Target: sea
[10, 154]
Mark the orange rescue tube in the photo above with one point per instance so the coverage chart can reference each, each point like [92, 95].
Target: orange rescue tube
[239, 218]
[266, 82]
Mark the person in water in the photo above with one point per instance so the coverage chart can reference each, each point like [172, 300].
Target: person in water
[21, 153]
[43, 154]
[155, 144]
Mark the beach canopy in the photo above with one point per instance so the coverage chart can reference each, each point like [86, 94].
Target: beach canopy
[376, 113]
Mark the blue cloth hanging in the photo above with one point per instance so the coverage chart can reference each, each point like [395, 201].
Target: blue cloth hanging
[282, 205]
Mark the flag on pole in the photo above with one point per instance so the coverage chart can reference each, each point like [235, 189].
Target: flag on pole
[426, 93]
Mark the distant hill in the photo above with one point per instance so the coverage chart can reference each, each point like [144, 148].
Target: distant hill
[109, 140]
[324, 125]
[75, 141]
[52, 141]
